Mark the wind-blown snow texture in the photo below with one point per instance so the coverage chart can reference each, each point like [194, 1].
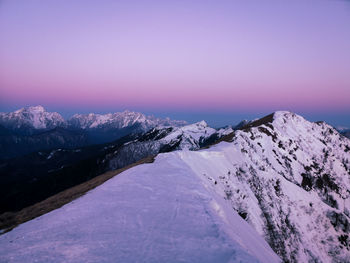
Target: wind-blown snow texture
[159, 212]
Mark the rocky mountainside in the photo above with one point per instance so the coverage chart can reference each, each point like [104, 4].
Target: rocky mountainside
[290, 180]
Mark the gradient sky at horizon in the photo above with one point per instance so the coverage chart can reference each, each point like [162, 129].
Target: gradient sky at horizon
[210, 59]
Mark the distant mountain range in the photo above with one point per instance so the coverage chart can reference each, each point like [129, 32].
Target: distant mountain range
[35, 119]
[119, 120]
[33, 128]
[30, 120]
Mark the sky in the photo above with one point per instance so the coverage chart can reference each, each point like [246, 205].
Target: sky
[221, 61]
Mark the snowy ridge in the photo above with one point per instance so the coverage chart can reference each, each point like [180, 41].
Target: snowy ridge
[166, 139]
[287, 177]
[290, 179]
[159, 212]
[120, 120]
[191, 135]
[35, 117]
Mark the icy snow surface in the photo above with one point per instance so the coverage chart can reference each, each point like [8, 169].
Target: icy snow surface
[159, 212]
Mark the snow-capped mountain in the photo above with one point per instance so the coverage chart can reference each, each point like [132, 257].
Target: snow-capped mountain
[111, 126]
[190, 137]
[52, 131]
[36, 117]
[31, 118]
[120, 120]
[290, 179]
[157, 212]
[33, 128]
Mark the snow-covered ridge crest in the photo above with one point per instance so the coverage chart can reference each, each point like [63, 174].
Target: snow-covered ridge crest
[166, 139]
[35, 117]
[191, 135]
[157, 212]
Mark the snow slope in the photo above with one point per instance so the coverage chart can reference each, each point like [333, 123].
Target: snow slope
[158, 212]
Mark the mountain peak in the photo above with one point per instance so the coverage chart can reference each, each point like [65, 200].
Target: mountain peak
[202, 123]
[303, 167]
[37, 108]
[286, 115]
[280, 118]
[29, 118]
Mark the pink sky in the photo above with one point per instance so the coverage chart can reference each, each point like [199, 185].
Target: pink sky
[210, 55]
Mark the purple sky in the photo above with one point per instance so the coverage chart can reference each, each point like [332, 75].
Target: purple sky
[213, 59]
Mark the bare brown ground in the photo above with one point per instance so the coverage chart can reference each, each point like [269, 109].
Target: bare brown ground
[10, 220]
